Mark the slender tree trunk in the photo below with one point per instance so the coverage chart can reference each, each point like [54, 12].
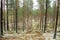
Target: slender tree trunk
[55, 32]
[23, 16]
[7, 17]
[1, 19]
[45, 18]
[16, 15]
[42, 12]
[4, 16]
[13, 19]
[54, 15]
[24, 13]
[41, 5]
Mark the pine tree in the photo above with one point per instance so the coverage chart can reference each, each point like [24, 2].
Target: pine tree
[1, 19]
[41, 12]
[55, 32]
[16, 15]
[46, 11]
[7, 16]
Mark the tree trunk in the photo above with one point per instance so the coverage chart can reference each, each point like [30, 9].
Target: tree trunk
[45, 18]
[55, 32]
[1, 19]
[4, 17]
[16, 15]
[7, 17]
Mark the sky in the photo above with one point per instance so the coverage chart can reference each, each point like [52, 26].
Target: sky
[35, 5]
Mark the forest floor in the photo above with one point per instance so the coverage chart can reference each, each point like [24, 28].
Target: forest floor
[31, 36]
[49, 36]
[24, 36]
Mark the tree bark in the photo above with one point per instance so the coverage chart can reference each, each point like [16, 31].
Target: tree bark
[55, 32]
[45, 18]
[7, 17]
[1, 19]
[16, 15]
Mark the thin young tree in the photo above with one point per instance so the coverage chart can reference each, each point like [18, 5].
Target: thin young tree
[11, 10]
[47, 5]
[1, 19]
[55, 32]
[41, 12]
[45, 17]
[7, 16]
[16, 15]
[54, 13]
[4, 16]
[24, 13]
[14, 2]
[13, 15]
